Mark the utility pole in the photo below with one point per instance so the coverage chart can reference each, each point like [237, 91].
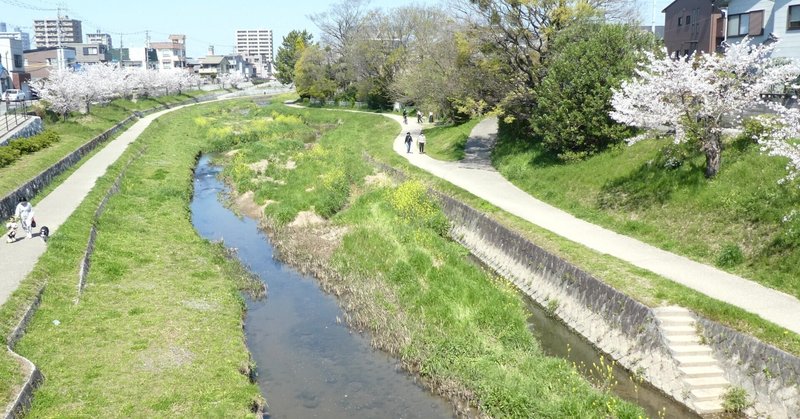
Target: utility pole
[60, 50]
[653, 21]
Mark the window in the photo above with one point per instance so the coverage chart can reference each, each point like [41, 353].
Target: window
[751, 23]
[688, 19]
[680, 21]
[738, 25]
[18, 61]
[794, 17]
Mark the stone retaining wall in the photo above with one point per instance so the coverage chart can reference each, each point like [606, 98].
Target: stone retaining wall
[770, 375]
[622, 327]
[33, 377]
[30, 128]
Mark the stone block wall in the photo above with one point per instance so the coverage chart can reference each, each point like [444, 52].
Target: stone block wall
[30, 128]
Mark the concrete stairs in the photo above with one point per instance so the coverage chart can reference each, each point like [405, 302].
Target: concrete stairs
[702, 375]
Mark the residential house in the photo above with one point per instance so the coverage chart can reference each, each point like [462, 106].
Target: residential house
[213, 66]
[692, 26]
[39, 62]
[238, 63]
[766, 21]
[90, 53]
[171, 54]
[13, 62]
[142, 57]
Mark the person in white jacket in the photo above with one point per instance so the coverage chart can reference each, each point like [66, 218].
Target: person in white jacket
[24, 213]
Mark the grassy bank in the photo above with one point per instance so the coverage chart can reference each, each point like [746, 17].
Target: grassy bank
[157, 331]
[659, 195]
[74, 132]
[528, 165]
[447, 142]
[382, 249]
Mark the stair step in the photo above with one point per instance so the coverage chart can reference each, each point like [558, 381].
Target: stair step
[705, 408]
[676, 321]
[702, 372]
[671, 311]
[690, 350]
[710, 382]
[695, 360]
[707, 394]
[679, 330]
[683, 340]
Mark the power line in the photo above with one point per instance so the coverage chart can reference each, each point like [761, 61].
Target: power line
[23, 5]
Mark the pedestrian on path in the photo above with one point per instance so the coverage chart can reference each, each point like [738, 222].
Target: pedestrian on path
[419, 116]
[24, 213]
[405, 116]
[421, 143]
[430, 117]
[409, 140]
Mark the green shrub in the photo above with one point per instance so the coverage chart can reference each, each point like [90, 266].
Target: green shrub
[413, 203]
[8, 155]
[734, 400]
[587, 61]
[730, 255]
[333, 194]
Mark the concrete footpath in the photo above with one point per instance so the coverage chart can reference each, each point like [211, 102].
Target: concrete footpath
[476, 175]
[18, 259]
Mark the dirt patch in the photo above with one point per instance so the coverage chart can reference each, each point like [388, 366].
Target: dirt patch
[291, 165]
[247, 205]
[201, 305]
[259, 166]
[157, 360]
[233, 152]
[305, 219]
[379, 180]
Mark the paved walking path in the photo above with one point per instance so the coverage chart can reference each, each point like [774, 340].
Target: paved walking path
[486, 183]
[18, 259]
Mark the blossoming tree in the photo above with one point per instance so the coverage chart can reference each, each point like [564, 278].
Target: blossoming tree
[692, 96]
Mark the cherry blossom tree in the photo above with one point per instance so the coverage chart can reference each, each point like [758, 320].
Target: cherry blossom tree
[59, 91]
[780, 137]
[234, 78]
[692, 96]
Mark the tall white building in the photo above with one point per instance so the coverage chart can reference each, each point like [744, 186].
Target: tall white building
[99, 38]
[255, 46]
[46, 31]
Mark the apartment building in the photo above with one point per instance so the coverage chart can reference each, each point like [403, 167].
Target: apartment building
[46, 32]
[18, 35]
[13, 63]
[255, 46]
[100, 38]
[172, 53]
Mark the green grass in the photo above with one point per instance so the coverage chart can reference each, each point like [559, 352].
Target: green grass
[644, 286]
[74, 132]
[447, 142]
[464, 329]
[733, 221]
[158, 330]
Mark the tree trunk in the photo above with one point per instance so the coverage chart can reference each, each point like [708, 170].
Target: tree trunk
[713, 149]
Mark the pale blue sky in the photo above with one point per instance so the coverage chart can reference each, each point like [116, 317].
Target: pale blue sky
[203, 22]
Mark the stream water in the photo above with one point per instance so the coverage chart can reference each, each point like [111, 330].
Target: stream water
[309, 364]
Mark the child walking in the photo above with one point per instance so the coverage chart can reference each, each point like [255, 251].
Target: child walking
[24, 213]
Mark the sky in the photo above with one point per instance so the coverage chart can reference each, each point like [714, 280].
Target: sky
[203, 22]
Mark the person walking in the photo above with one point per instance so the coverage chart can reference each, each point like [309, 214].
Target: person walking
[405, 116]
[421, 143]
[419, 116]
[24, 213]
[409, 140]
[430, 117]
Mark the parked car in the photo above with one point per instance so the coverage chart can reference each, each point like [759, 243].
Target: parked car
[13, 95]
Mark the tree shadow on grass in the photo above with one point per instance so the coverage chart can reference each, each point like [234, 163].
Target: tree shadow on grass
[652, 183]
